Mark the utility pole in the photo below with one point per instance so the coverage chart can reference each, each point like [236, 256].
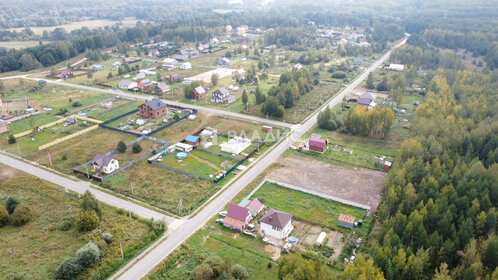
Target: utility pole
[121, 247]
[19, 149]
[49, 159]
[131, 185]
[180, 206]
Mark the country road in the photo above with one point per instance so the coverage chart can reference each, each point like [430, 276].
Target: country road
[139, 267]
[82, 186]
[208, 110]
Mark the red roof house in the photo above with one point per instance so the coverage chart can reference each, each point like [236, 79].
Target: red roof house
[255, 206]
[237, 217]
[317, 145]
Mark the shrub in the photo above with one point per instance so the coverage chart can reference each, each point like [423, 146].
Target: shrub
[136, 148]
[216, 264]
[66, 224]
[77, 104]
[11, 139]
[107, 236]
[202, 272]
[239, 272]
[102, 245]
[224, 276]
[11, 204]
[121, 147]
[269, 265]
[87, 220]
[21, 215]
[4, 217]
[88, 255]
[89, 202]
[176, 117]
[158, 227]
[339, 75]
[69, 269]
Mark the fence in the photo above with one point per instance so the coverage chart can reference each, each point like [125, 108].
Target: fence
[181, 171]
[60, 140]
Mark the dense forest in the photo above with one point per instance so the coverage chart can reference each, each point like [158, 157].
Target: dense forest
[439, 213]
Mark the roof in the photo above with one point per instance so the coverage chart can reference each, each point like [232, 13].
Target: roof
[146, 82]
[346, 218]
[237, 212]
[221, 91]
[320, 143]
[155, 104]
[255, 205]
[101, 160]
[200, 90]
[316, 136]
[125, 83]
[170, 61]
[233, 222]
[191, 138]
[276, 218]
[163, 85]
[366, 98]
[244, 202]
[63, 72]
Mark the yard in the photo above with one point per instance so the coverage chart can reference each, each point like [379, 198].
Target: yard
[35, 250]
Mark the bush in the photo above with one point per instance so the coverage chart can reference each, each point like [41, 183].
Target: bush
[69, 269]
[4, 217]
[339, 75]
[77, 104]
[66, 224]
[21, 215]
[11, 139]
[121, 147]
[107, 236]
[239, 272]
[158, 227]
[88, 255]
[11, 204]
[216, 264]
[89, 202]
[136, 148]
[87, 220]
[202, 272]
[176, 117]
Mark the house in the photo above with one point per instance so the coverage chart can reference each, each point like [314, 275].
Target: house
[345, 221]
[222, 95]
[187, 82]
[154, 108]
[387, 165]
[127, 84]
[4, 126]
[317, 145]
[240, 73]
[104, 164]
[396, 67]
[144, 84]
[209, 132]
[116, 64]
[276, 224]
[97, 67]
[192, 140]
[153, 53]
[173, 78]
[183, 147]
[162, 87]
[366, 100]
[357, 60]
[186, 54]
[237, 217]
[255, 207]
[130, 60]
[170, 63]
[66, 74]
[235, 145]
[223, 61]
[199, 93]
[186, 66]
[140, 75]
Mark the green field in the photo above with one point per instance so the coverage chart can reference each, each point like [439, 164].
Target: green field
[35, 250]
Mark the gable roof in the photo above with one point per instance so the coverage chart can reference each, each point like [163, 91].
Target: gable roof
[155, 104]
[314, 142]
[125, 83]
[200, 90]
[191, 138]
[237, 212]
[276, 218]
[221, 91]
[255, 205]
[101, 160]
[366, 98]
[163, 86]
[146, 82]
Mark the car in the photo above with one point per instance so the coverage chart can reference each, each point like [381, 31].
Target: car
[219, 221]
[223, 213]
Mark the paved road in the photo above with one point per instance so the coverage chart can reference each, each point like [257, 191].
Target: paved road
[176, 103]
[82, 186]
[139, 267]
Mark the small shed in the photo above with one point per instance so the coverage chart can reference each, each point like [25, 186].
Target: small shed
[321, 238]
[267, 128]
[192, 140]
[387, 165]
[346, 221]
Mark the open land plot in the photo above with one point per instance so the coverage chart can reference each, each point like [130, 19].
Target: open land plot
[357, 185]
[91, 24]
[20, 44]
[137, 123]
[35, 250]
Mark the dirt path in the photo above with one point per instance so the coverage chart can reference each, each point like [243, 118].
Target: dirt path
[205, 162]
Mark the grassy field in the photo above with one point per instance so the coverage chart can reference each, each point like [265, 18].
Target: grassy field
[35, 250]
[20, 44]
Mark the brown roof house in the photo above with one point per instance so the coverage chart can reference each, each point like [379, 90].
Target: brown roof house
[276, 224]
[162, 87]
[154, 108]
[144, 84]
[237, 217]
[367, 100]
[199, 93]
[317, 144]
[345, 221]
[104, 164]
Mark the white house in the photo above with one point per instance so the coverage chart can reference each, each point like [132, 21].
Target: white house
[170, 63]
[276, 224]
[182, 147]
[104, 164]
[396, 67]
[235, 145]
[185, 66]
[127, 84]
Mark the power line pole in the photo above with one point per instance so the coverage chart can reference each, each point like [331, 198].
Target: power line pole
[49, 159]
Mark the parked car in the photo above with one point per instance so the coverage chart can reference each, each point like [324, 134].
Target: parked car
[223, 213]
[219, 221]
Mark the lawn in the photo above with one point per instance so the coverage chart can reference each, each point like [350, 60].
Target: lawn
[35, 250]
